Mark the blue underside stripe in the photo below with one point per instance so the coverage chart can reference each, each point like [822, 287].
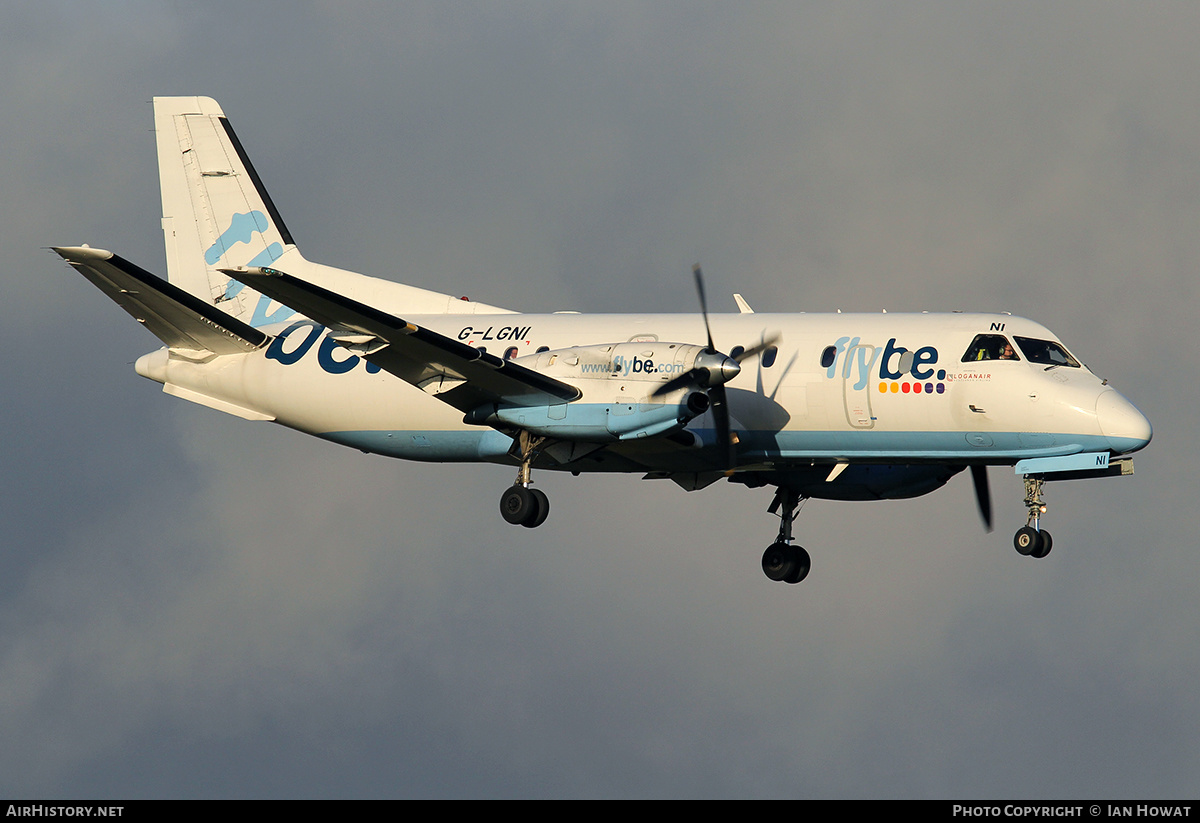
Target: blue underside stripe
[1005, 447]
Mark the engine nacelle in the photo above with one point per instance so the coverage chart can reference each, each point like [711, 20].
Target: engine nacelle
[595, 422]
[618, 382]
[636, 369]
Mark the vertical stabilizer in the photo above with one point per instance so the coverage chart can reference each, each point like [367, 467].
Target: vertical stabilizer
[216, 212]
[218, 216]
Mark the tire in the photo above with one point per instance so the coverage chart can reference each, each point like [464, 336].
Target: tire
[777, 561]
[517, 504]
[1027, 541]
[540, 511]
[1047, 544]
[801, 563]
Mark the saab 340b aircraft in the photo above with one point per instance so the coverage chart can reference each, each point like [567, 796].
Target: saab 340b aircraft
[837, 406]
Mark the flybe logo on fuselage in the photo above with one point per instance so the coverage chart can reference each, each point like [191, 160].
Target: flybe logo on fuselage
[849, 358]
[289, 353]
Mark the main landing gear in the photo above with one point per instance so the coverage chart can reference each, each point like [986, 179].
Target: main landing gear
[1030, 540]
[521, 505]
[782, 560]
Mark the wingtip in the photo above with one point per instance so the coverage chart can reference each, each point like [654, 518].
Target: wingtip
[81, 253]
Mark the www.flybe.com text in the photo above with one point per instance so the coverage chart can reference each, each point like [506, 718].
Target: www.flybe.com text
[632, 365]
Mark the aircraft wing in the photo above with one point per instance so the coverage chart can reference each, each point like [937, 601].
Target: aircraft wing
[180, 320]
[456, 373]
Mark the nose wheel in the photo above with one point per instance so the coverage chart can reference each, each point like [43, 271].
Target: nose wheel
[783, 560]
[1030, 540]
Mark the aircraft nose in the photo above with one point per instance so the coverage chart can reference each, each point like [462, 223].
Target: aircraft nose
[1126, 428]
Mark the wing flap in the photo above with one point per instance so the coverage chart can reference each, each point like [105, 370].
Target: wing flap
[180, 320]
[417, 355]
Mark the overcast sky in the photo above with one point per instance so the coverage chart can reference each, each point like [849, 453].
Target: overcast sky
[196, 605]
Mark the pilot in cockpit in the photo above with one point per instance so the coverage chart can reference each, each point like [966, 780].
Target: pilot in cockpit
[990, 347]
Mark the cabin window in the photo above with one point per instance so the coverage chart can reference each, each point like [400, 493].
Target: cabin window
[1046, 352]
[990, 347]
[828, 356]
[768, 357]
[736, 352]
[510, 352]
[541, 349]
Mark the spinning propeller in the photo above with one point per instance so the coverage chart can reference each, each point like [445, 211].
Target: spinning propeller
[710, 372]
[983, 494]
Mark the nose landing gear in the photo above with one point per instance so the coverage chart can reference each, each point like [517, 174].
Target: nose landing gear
[782, 560]
[1030, 540]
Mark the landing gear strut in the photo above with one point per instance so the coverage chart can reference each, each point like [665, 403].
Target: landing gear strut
[521, 505]
[782, 560]
[1030, 540]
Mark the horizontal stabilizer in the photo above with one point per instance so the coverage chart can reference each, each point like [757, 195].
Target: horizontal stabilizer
[180, 320]
[456, 373]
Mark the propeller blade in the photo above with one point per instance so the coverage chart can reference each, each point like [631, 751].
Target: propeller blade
[720, 412]
[756, 350]
[688, 378]
[983, 494]
[718, 402]
[703, 304]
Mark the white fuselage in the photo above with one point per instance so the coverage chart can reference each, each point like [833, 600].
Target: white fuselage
[873, 402]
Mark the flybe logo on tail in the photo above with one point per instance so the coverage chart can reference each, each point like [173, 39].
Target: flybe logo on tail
[241, 230]
[850, 358]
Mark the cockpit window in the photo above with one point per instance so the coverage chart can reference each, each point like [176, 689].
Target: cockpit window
[1046, 352]
[990, 347]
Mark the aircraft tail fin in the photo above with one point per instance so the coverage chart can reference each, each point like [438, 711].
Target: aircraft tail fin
[217, 215]
[216, 212]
